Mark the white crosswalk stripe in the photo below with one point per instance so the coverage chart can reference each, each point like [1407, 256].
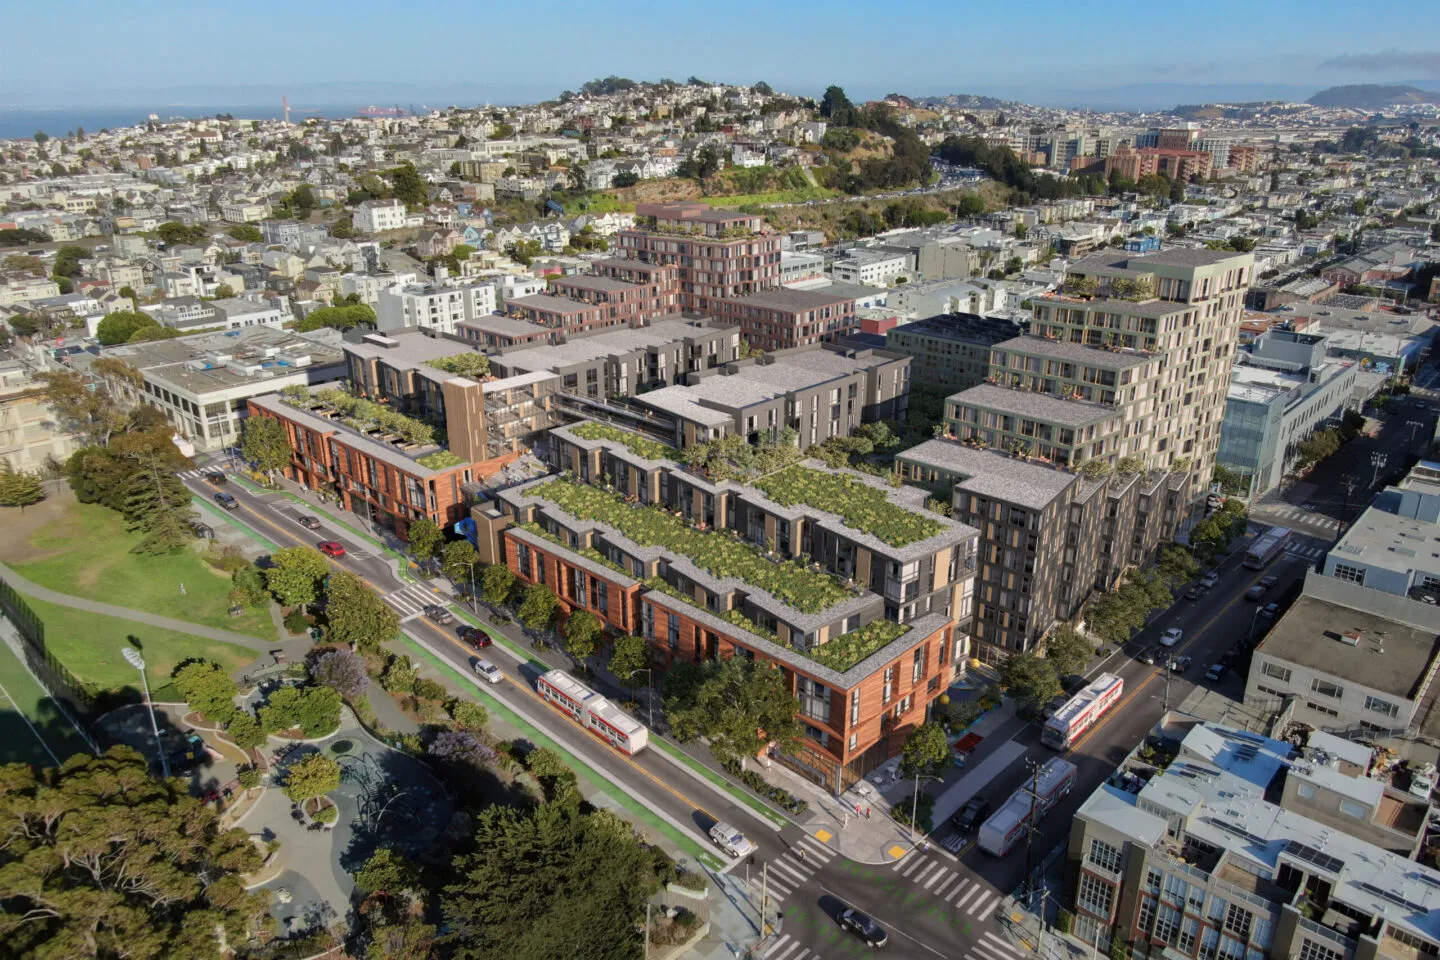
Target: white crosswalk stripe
[981, 950]
[913, 864]
[942, 872]
[789, 867]
[979, 904]
[818, 849]
[948, 880]
[958, 887]
[959, 904]
[409, 601]
[1001, 945]
[770, 950]
[930, 868]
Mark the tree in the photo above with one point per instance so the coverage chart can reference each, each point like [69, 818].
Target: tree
[266, 443]
[538, 606]
[836, 107]
[553, 881]
[157, 503]
[311, 777]
[425, 538]
[342, 671]
[224, 292]
[629, 656]
[172, 233]
[408, 186]
[497, 584]
[246, 233]
[1176, 565]
[315, 710]
[246, 731]
[1233, 482]
[582, 635]
[354, 614]
[19, 488]
[67, 261]
[388, 871]
[207, 688]
[121, 325]
[295, 573]
[502, 131]
[469, 714]
[1068, 650]
[926, 751]
[1029, 679]
[740, 706]
[338, 318]
[103, 860]
[302, 200]
[458, 560]
[625, 178]
[128, 292]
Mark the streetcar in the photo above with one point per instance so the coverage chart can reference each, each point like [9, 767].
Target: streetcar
[593, 712]
[1082, 711]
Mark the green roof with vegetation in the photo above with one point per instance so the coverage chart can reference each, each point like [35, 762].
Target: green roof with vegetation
[636, 444]
[719, 554]
[440, 460]
[846, 650]
[363, 415]
[589, 553]
[465, 364]
[860, 505]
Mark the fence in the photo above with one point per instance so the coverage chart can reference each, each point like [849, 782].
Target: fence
[62, 685]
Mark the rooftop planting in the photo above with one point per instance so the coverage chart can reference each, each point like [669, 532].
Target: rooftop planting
[636, 444]
[718, 554]
[366, 415]
[589, 553]
[440, 460]
[846, 650]
[475, 365]
[859, 505]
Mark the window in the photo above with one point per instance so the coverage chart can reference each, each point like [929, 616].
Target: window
[1349, 574]
[1237, 921]
[904, 706]
[814, 699]
[1382, 706]
[1095, 895]
[1189, 933]
[917, 666]
[1327, 689]
[885, 692]
[1322, 709]
[1146, 914]
[1209, 942]
[1310, 950]
[1104, 856]
[1353, 809]
[1166, 923]
[1275, 670]
[1306, 791]
[1152, 880]
[854, 707]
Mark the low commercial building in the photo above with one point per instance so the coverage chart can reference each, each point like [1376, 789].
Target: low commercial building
[235, 313]
[1390, 546]
[867, 632]
[871, 267]
[819, 392]
[798, 267]
[951, 351]
[1241, 846]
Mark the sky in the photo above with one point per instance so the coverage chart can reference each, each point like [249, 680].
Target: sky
[451, 51]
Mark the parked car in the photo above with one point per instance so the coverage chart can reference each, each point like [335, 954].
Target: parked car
[971, 815]
[1180, 664]
[439, 614]
[1216, 671]
[864, 927]
[476, 637]
[1270, 611]
[1195, 592]
[1210, 579]
[1171, 637]
[332, 548]
[227, 501]
[217, 477]
[309, 523]
[1255, 592]
[730, 840]
[488, 672]
[1267, 582]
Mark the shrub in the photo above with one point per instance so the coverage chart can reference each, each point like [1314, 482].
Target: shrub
[296, 622]
[399, 676]
[781, 797]
[249, 778]
[427, 689]
[246, 731]
[327, 815]
[468, 714]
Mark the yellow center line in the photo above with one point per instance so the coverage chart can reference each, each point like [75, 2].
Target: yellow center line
[521, 686]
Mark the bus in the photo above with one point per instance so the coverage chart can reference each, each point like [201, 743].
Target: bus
[1082, 711]
[1008, 825]
[593, 712]
[1266, 548]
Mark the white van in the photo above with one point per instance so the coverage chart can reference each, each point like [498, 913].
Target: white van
[732, 841]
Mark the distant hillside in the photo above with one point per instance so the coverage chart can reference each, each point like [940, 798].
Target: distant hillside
[1371, 96]
[963, 101]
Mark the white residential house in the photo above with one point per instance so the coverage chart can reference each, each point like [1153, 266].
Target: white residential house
[436, 306]
[235, 313]
[373, 216]
[244, 210]
[367, 286]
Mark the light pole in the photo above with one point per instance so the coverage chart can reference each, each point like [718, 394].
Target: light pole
[1414, 425]
[915, 799]
[132, 657]
[1377, 460]
[649, 691]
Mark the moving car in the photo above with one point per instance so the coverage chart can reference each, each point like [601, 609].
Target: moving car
[227, 501]
[864, 927]
[217, 477]
[732, 841]
[1171, 637]
[971, 815]
[488, 672]
[309, 523]
[1195, 592]
[1210, 579]
[476, 637]
[1271, 611]
[1148, 655]
[1180, 664]
[1216, 671]
[439, 614]
[1267, 582]
[331, 548]
[1255, 592]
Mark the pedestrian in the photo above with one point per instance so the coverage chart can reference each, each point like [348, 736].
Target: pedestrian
[182, 589]
[925, 845]
[867, 813]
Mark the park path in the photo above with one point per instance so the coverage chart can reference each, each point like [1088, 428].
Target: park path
[136, 616]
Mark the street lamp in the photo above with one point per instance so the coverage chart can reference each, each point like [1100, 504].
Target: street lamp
[1377, 460]
[1414, 425]
[132, 657]
[915, 799]
[649, 691]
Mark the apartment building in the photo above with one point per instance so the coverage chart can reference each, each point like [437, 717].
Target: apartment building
[1048, 539]
[868, 630]
[819, 392]
[203, 382]
[502, 333]
[563, 314]
[1244, 846]
[235, 313]
[951, 351]
[374, 216]
[718, 254]
[438, 306]
[30, 434]
[782, 318]
[1385, 549]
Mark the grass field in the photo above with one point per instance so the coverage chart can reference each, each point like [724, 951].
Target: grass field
[23, 699]
[89, 645]
[84, 550]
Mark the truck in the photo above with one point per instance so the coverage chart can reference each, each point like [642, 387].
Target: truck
[1036, 797]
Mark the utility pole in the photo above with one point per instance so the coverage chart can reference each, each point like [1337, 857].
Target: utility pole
[764, 889]
[647, 931]
[1377, 460]
[1414, 425]
[1030, 828]
[1040, 937]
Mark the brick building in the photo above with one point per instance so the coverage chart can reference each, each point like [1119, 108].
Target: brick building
[782, 318]
[718, 254]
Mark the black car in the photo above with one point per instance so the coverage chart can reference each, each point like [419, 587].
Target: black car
[971, 815]
[227, 501]
[864, 927]
[217, 477]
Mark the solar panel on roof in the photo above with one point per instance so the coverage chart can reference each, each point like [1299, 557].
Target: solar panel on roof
[1310, 855]
[1393, 897]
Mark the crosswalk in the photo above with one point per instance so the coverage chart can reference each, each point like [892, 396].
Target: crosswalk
[934, 875]
[1305, 551]
[987, 947]
[194, 474]
[410, 601]
[1298, 515]
[790, 869]
[991, 947]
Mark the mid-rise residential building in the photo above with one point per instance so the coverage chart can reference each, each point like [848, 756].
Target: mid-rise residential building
[1239, 845]
[1048, 538]
[374, 216]
[719, 254]
[437, 306]
[819, 392]
[799, 267]
[782, 318]
[31, 437]
[867, 630]
[951, 351]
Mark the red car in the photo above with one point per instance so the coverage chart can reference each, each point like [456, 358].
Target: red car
[332, 548]
[476, 637]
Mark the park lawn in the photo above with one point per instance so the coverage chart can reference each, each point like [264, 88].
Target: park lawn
[89, 645]
[85, 552]
[18, 743]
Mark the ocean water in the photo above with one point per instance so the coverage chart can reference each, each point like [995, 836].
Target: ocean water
[23, 124]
